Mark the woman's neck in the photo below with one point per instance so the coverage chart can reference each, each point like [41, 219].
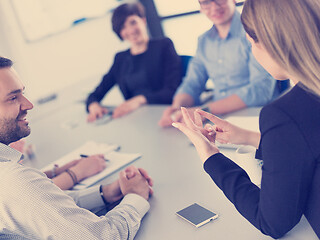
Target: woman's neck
[139, 47]
[294, 80]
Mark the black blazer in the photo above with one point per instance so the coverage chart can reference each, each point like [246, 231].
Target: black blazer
[164, 73]
[290, 149]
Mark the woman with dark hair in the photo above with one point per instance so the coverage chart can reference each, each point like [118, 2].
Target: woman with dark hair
[147, 73]
[285, 40]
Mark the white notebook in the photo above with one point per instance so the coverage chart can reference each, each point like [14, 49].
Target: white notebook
[116, 161]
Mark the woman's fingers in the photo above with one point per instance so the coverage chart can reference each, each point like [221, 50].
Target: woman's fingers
[186, 130]
[210, 132]
[197, 119]
[194, 130]
[187, 118]
[211, 117]
[209, 127]
[204, 148]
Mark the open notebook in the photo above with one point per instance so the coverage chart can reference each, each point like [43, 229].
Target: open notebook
[116, 161]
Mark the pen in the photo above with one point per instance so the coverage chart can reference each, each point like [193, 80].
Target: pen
[80, 20]
[85, 156]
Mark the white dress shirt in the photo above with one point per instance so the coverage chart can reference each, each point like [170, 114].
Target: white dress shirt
[32, 207]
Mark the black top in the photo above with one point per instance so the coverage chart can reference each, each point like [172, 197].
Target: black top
[290, 149]
[156, 74]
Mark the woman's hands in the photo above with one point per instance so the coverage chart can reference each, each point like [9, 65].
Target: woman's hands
[96, 111]
[229, 133]
[129, 106]
[203, 138]
[172, 114]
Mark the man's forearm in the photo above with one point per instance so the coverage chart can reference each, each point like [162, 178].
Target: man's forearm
[226, 105]
[182, 100]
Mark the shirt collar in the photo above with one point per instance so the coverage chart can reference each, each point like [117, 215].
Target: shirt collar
[9, 154]
[235, 27]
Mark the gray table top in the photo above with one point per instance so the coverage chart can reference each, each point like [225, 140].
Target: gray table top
[168, 156]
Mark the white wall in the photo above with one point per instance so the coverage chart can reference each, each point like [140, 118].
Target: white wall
[84, 51]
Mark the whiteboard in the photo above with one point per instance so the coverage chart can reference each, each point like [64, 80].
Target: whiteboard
[42, 18]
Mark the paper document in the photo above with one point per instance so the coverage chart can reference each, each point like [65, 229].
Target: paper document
[116, 161]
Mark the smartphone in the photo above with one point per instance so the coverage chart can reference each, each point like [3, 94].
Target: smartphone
[197, 215]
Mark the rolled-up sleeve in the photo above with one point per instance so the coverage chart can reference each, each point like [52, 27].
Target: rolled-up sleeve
[261, 87]
[194, 82]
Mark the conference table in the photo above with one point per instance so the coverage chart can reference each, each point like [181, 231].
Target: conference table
[168, 156]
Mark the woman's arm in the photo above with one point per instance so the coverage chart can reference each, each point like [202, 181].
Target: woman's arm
[286, 177]
[108, 81]
[286, 174]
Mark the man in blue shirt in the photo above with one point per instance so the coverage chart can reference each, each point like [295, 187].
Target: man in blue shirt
[223, 55]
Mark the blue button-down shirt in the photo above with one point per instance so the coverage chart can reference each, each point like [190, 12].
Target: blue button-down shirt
[231, 66]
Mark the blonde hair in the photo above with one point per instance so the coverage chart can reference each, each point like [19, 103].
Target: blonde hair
[290, 32]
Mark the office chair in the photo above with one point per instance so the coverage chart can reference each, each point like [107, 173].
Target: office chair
[283, 85]
[185, 59]
[208, 92]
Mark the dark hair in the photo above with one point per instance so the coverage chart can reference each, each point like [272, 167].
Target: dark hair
[5, 62]
[121, 13]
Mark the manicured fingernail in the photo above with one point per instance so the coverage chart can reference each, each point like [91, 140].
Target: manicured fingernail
[175, 125]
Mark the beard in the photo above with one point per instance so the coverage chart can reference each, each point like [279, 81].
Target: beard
[12, 131]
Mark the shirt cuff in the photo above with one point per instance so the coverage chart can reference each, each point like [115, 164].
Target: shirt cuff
[141, 205]
[90, 198]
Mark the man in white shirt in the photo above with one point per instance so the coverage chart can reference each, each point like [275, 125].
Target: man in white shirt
[32, 207]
